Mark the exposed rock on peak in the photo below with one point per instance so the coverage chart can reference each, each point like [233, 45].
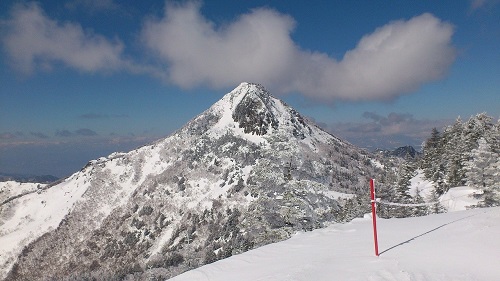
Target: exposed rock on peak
[251, 110]
[254, 111]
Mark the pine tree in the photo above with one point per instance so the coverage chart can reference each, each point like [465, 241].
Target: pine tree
[454, 155]
[435, 208]
[482, 172]
[421, 210]
[475, 128]
[402, 192]
[406, 173]
[386, 192]
[432, 154]
[439, 179]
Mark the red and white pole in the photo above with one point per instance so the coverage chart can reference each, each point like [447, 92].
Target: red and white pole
[374, 216]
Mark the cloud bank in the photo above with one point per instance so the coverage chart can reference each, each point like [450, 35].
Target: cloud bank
[389, 132]
[191, 51]
[395, 59]
[84, 132]
[34, 41]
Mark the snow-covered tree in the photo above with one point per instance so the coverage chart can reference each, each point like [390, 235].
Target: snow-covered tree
[445, 155]
[482, 171]
[439, 179]
[437, 207]
[402, 191]
[454, 154]
[432, 154]
[419, 210]
[406, 173]
[477, 127]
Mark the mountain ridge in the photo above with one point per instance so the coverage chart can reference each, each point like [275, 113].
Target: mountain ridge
[246, 172]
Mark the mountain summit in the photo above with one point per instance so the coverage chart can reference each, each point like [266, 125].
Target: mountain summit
[256, 111]
[248, 171]
[250, 111]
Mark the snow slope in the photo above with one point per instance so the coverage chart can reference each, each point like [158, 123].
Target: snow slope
[10, 189]
[460, 245]
[29, 216]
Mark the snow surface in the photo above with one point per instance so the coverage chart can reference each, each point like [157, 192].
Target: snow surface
[10, 189]
[459, 198]
[421, 184]
[37, 213]
[460, 245]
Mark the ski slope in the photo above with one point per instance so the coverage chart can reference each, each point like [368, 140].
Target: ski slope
[461, 245]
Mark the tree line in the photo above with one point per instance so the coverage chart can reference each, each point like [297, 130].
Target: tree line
[463, 154]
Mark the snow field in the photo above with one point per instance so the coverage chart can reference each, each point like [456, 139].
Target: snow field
[458, 198]
[460, 245]
[10, 189]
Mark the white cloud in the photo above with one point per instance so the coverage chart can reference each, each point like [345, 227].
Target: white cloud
[192, 51]
[397, 58]
[257, 47]
[34, 41]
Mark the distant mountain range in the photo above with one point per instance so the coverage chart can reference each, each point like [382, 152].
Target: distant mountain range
[405, 152]
[27, 178]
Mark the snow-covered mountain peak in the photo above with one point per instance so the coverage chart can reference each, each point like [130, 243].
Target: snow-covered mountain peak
[248, 171]
[244, 91]
[256, 111]
[251, 91]
[253, 113]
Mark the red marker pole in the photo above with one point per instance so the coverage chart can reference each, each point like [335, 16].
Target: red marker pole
[374, 216]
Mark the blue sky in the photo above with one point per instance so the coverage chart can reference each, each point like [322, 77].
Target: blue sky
[80, 79]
